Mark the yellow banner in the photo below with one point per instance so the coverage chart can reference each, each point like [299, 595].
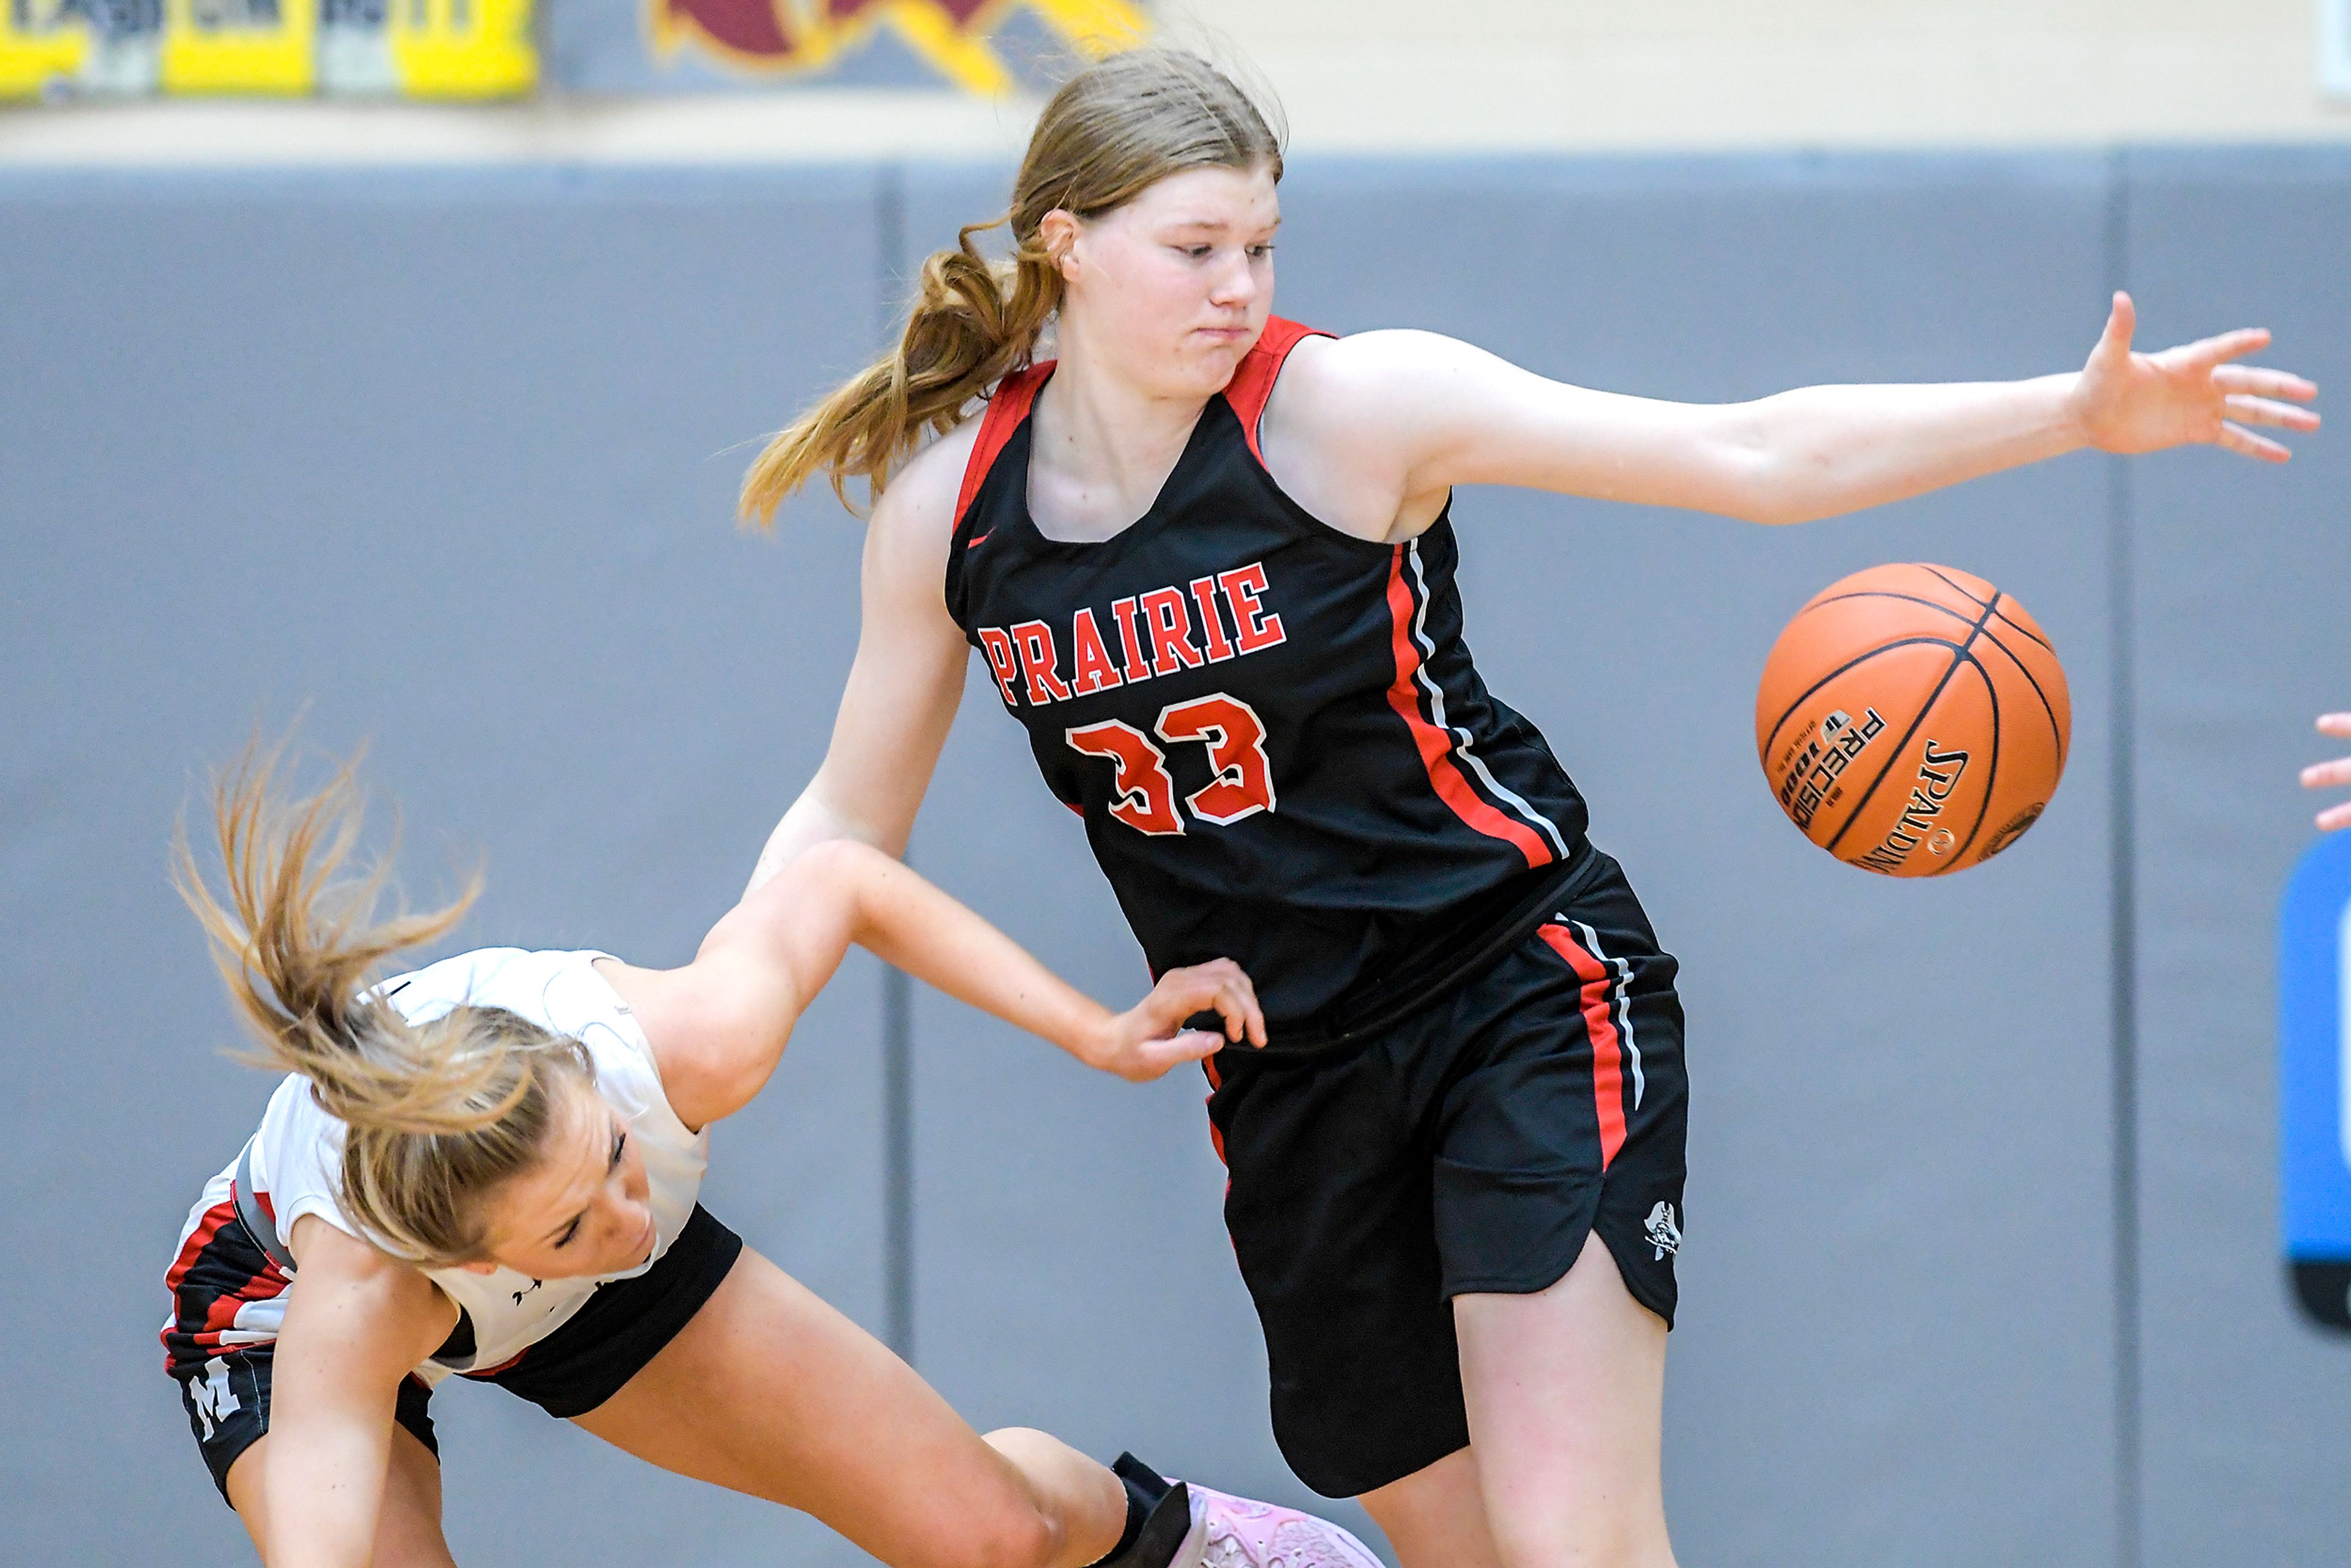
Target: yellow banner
[399, 49]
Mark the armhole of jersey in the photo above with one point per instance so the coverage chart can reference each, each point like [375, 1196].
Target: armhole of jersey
[1252, 387]
[623, 1026]
[1006, 407]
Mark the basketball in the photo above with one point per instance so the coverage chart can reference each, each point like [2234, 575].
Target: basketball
[1913, 720]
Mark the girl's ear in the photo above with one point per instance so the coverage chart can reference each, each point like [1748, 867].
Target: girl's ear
[479, 1267]
[1058, 233]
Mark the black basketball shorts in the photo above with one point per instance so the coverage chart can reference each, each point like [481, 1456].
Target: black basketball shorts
[570, 1371]
[1470, 1147]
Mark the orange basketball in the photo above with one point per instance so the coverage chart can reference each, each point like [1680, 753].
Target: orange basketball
[1913, 720]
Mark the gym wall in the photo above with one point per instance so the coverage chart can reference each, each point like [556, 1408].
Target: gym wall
[1364, 76]
[1980, 1264]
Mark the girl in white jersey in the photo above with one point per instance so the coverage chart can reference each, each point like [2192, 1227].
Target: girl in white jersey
[488, 1166]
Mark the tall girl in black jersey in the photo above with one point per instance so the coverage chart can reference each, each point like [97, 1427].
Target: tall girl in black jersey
[1207, 557]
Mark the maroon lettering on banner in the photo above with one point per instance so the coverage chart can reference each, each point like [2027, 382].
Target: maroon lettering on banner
[959, 12]
[753, 27]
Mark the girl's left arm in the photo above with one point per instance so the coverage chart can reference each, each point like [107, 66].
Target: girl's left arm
[719, 1025]
[1416, 414]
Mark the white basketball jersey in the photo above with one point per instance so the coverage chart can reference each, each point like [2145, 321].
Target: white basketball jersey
[296, 1156]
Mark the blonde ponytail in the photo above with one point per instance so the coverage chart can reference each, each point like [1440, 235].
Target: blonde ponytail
[972, 324]
[1114, 130]
[438, 1112]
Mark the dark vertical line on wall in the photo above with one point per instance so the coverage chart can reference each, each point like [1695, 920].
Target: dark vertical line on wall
[2124, 852]
[897, 990]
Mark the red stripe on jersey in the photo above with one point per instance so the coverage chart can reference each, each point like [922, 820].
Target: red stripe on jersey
[1252, 385]
[199, 1239]
[1436, 746]
[1006, 407]
[1607, 1049]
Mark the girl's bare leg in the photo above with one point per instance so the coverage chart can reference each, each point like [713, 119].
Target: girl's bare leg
[1566, 1395]
[1435, 1516]
[770, 1391]
[408, 1526]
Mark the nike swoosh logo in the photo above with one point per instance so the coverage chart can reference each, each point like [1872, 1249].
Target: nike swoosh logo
[981, 540]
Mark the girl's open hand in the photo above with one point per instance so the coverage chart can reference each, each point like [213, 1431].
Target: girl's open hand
[2335, 775]
[1143, 1043]
[2128, 402]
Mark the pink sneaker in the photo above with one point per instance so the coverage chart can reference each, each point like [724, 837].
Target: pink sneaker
[1237, 1532]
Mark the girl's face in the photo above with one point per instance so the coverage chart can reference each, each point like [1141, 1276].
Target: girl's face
[1173, 288]
[585, 1208]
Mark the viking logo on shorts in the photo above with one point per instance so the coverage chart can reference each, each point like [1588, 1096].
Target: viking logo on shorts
[1664, 1234]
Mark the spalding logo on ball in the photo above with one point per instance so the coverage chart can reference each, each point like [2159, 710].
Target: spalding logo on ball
[1913, 720]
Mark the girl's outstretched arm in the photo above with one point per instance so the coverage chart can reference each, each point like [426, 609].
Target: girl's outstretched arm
[1398, 418]
[719, 1025]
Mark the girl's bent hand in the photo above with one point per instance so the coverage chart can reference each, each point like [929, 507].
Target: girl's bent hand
[1143, 1043]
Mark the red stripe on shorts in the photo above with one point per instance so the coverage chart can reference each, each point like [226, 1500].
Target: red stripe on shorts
[1607, 1049]
[1216, 1138]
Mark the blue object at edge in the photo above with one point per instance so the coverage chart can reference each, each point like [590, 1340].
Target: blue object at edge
[2313, 1175]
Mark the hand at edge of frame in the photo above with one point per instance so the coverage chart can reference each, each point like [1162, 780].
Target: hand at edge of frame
[2334, 774]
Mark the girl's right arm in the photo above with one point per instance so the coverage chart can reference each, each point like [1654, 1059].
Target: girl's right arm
[357, 1322]
[718, 1026]
[907, 679]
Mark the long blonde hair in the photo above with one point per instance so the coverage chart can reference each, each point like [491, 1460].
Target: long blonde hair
[438, 1114]
[1116, 128]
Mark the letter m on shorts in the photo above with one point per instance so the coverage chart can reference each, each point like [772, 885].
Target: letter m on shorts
[216, 1400]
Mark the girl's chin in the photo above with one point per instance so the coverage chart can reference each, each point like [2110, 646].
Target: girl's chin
[1210, 357]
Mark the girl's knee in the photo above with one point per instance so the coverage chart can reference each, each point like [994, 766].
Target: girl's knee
[1010, 1536]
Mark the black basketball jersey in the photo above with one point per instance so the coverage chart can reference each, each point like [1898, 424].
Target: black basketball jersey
[1273, 730]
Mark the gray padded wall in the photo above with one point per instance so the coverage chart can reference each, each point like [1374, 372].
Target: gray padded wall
[2241, 634]
[441, 455]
